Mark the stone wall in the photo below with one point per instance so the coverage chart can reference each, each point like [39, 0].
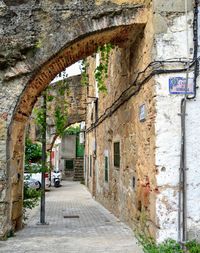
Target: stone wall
[75, 101]
[38, 40]
[131, 189]
[150, 150]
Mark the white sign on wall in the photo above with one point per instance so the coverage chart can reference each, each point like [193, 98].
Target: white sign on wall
[142, 112]
[81, 137]
[177, 85]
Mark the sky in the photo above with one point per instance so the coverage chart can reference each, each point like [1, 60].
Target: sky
[73, 70]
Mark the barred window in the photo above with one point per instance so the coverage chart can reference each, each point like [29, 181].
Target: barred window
[117, 154]
[90, 165]
[106, 169]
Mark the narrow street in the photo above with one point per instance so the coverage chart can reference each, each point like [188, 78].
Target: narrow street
[88, 227]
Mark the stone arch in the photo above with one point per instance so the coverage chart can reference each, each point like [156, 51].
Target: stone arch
[80, 38]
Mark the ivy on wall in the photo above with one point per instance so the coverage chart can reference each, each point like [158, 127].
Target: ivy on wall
[101, 71]
[84, 74]
[56, 94]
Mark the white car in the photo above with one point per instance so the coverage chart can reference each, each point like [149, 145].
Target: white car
[36, 175]
[32, 183]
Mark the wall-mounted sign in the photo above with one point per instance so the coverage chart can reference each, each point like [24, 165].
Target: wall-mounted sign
[142, 112]
[177, 85]
[81, 137]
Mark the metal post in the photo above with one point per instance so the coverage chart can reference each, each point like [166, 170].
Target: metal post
[42, 205]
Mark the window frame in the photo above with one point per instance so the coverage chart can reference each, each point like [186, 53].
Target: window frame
[116, 155]
[106, 169]
[90, 166]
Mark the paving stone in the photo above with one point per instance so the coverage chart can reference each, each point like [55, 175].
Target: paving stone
[95, 231]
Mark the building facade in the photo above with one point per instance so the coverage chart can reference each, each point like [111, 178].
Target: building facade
[141, 148]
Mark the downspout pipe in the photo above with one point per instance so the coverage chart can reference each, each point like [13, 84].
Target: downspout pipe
[182, 208]
[182, 211]
[195, 39]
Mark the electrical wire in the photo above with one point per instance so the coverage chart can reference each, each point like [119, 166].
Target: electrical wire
[108, 112]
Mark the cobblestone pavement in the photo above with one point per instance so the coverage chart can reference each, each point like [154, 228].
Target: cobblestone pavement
[96, 230]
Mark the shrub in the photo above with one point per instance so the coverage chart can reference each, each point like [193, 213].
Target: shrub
[33, 152]
[168, 246]
[31, 197]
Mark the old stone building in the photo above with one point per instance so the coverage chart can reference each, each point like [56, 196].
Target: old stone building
[75, 108]
[133, 132]
[156, 41]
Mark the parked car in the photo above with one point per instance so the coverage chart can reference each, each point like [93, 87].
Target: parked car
[34, 173]
[32, 183]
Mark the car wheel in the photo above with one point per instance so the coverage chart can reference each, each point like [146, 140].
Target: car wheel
[39, 185]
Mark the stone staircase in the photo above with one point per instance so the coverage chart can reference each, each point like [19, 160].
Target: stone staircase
[78, 169]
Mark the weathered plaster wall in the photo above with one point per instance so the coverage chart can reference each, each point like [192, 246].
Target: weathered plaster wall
[170, 44]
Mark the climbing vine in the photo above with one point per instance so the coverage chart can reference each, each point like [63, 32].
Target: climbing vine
[101, 71]
[39, 116]
[56, 106]
[60, 120]
[60, 109]
[84, 74]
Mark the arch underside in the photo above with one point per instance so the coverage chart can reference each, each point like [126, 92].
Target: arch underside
[38, 80]
[75, 51]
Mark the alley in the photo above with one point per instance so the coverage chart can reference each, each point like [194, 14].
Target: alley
[87, 228]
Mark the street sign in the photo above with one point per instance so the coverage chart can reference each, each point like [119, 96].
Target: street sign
[142, 113]
[177, 85]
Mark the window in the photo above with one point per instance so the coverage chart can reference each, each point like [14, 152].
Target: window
[106, 169]
[69, 165]
[90, 165]
[96, 109]
[117, 154]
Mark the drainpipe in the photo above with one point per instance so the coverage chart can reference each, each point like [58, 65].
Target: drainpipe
[182, 214]
[182, 208]
[195, 39]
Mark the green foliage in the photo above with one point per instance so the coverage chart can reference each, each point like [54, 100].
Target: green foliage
[72, 130]
[39, 117]
[61, 87]
[50, 98]
[35, 168]
[10, 233]
[101, 71]
[38, 43]
[84, 75]
[193, 247]
[31, 197]
[60, 120]
[56, 103]
[60, 105]
[168, 246]
[33, 152]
